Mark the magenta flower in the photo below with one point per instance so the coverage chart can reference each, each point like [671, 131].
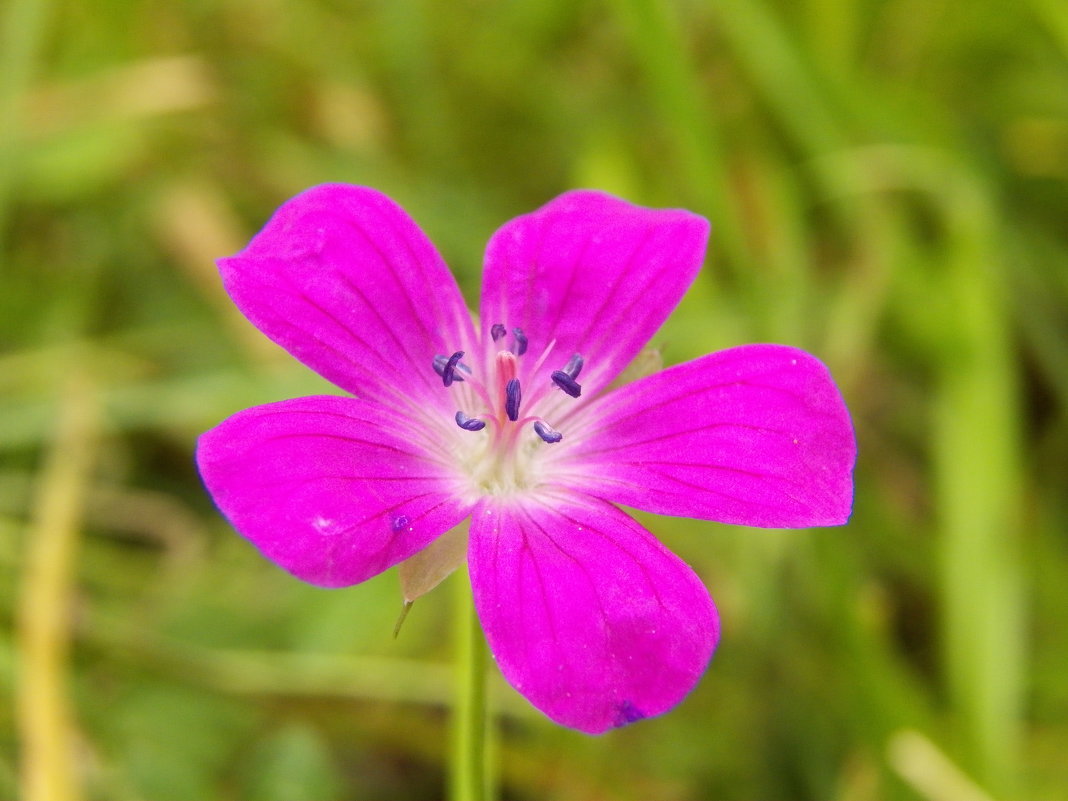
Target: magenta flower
[513, 422]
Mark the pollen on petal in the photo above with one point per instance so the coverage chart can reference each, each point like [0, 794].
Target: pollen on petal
[628, 713]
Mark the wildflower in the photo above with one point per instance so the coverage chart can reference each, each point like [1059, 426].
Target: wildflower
[514, 423]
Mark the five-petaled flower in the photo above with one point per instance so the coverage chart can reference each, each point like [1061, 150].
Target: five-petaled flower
[514, 423]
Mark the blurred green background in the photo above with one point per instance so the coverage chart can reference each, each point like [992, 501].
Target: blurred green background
[888, 185]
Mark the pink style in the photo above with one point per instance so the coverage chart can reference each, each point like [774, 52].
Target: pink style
[514, 424]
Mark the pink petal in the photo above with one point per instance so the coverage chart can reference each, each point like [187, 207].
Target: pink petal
[344, 280]
[594, 273]
[334, 490]
[756, 435]
[587, 614]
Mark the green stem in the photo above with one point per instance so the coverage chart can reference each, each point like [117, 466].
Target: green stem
[467, 779]
[45, 715]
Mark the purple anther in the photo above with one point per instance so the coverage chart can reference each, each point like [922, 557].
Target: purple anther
[469, 423]
[574, 365]
[439, 368]
[547, 432]
[566, 383]
[520, 341]
[512, 396]
[497, 330]
[448, 373]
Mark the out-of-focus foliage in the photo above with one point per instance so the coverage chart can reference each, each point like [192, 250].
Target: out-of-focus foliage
[888, 184]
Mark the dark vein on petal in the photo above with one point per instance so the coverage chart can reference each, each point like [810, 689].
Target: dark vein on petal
[619, 547]
[550, 617]
[387, 263]
[594, 587]
[340, 438]
[421, 370]
[746, 501]
[361, 522]
[304, 480]
[451, 322]
[389, 389]
[643, 443]
[565, 295]
[606, 354]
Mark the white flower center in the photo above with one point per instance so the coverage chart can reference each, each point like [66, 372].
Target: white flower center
[498, 455]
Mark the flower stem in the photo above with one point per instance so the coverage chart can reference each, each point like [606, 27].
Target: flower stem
[467, 779]
[50, 771]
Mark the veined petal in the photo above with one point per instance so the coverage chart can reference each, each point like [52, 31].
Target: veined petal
[586, 613]
[343, 279]
[332, 489]
[594, 273]
[757, 435]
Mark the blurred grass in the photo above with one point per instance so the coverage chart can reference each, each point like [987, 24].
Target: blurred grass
[888, 184]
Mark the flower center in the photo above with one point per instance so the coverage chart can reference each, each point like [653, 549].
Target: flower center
[502, 460]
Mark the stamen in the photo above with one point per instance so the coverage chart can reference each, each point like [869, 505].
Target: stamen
[566, 383]
[448, 374]
[547, 432]
[512, 396]
[469, 423]
[574, 365]
[439, 367]
[520, 341]
[497, 330]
